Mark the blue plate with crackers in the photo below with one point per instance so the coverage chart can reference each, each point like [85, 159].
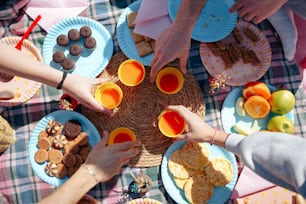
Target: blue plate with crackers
[61, 116]
[220, 194]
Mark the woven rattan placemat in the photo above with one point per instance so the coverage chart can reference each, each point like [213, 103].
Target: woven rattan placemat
[140, 108]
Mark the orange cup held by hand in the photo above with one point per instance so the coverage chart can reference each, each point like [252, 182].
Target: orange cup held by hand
[109, 95]
[171, 124]
[121, 134]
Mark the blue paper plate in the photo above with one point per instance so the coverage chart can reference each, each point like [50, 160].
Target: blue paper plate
[91, 62]
[214, 23]
[220, 195]
[125, 40]
[229, 116]
[61, 116]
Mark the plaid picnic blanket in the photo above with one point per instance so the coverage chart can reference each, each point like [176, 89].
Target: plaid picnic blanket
[18, 182]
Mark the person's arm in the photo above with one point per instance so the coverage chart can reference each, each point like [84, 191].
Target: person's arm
[102, 163]
[14, 62]
[277, 157]
[256, 11]
[174, 42]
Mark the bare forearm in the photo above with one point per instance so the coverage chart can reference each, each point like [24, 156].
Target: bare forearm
[17, 63]
[73, 189]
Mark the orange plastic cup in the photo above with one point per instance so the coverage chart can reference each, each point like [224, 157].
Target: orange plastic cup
[121, 134]
[171, 124]
[131, 72]
[169, 80]
[109, 95]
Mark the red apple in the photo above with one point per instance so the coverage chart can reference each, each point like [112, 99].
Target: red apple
[282, 101]
[281, 123]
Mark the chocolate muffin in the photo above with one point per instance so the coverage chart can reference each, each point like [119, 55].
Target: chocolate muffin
[73, 34]
[90, 43]
[58, 57]
[68, 64]
[62, 40]
[75, 50]
[72, 128]
[85, 31]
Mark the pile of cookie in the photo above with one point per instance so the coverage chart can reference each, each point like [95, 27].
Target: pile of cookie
[75, 49]
[62, 148]
[196, 174]
[145, 45]
[232, 52]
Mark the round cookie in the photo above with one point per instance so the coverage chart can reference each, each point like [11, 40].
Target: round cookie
[51, 169]
[43, 134]
[61, 171]
[68, 64]
[219, 172]
[79, 161]
[75, 50]
[71, 147]
[69, 159]
[5, 77]
[72, 128]
[55, 156]
[85, 31]
[44, 143]
[62, 40]
[54, 128]
[73, 34]
[41, 156]
[90, 43]
[59, 141]
[58, 57]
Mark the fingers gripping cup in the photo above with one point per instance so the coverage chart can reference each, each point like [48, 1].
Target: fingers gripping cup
[171, 124]
[131, 72]
[120, 135]
[109, 95]
[169, 80]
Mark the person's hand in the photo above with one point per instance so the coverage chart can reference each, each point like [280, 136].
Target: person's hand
[256, 11]
[198, 130]
[106, 161]
[81, 88]
[173, 43]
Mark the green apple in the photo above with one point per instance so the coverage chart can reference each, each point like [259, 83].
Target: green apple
[281, 123]
[282, 101]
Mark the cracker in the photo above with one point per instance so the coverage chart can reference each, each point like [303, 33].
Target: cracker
[136, 37]
[194, 156]
[55, 156]
[219, 172]
[130, 17]
[144, 48]
[41, 156]
[198, 190]
[180, 182]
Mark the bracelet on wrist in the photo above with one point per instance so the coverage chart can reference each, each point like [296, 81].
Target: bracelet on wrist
[91, 172]
[60, 84]
[214, 136]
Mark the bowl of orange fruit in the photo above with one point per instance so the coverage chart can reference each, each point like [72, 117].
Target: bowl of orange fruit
[258, 106]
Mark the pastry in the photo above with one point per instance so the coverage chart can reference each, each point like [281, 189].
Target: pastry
[54, 128]
[90, 43]
[82, 139]
[226, 59]
[234, 52]
[71, 171]
[144, 48]
[41, 156]
[79, 161]
[245, 56]
[55, 156]
[236, 34]
[44, 143]
[6, 77]
[59, 141]
[75, 50]
[136, 37]
[62, 40]
[131, 19]
[69, 159]
[220, 45]
[7, 135]
[254, 59]
[214, 49]
[6, 95]
[219, 172]
[85, 31]
[61, 171]
[72, 128]
[58, 57]
[68, 64]
[51, 169]
[71, 147]
[251, 35]
[74, 34]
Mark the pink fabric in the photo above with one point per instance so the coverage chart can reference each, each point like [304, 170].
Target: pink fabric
[301, 45]
[54, 11]
[249, 183]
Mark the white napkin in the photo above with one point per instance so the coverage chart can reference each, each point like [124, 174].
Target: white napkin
[54, 11]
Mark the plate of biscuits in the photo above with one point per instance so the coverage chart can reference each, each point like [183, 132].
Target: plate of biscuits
[78, 45]
[243, 56]
[133, 45]
[59, 145]
[198, 172]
